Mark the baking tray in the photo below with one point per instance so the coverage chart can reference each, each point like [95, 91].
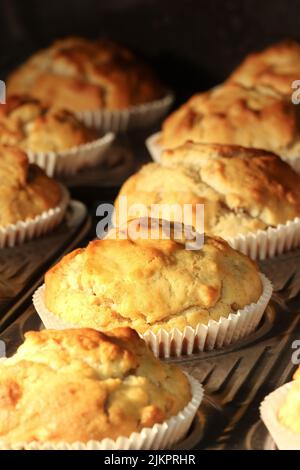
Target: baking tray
[22, 267]
[236, 378]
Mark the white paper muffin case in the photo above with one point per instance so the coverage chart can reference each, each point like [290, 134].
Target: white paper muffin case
[68, 162]
[270, 242]
[160, 436]
[16, 234]
[139, 116]
[284, 438]
[214, 335]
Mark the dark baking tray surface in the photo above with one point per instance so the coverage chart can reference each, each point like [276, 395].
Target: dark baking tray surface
[22, 267]
[118, 165]
[236, 378]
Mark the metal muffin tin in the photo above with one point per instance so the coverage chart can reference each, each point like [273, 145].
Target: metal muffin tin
[235, 378]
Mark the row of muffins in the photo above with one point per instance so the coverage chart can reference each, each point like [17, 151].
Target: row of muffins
[54, 95]
[156, 283]
[110, 386]
[235, 149]
[40, 120]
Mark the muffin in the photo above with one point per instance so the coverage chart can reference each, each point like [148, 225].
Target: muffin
[25, 190]
[79, 74]
[243, 190]
[150, 281]
[277, 66]
[289, 411]
[27, 123]
[234, 115]
[80, 385]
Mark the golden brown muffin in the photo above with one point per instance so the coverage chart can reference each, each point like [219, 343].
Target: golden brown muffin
[289, 412]
[25, 190]
[81, 385]
[30, 125]
[276, 66]
[234, 115]
[242, 189]
[150, 283]
[79, 74]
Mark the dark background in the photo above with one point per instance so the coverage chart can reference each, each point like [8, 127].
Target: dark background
[194, 43]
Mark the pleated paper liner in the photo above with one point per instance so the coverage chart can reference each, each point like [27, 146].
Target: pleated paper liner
[154, 147]
[22, 231]
[270, 242]
[71, 161]
[284, 438]
[134, 117]
[214, 335]
[160, 436]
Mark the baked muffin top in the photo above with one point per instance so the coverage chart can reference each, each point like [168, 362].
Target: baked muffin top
[29, 124]
[150, 282]
[235, 115]
[80, 385]
[79, 74]
[276, 66]
[25, 190]
[289, 412]
[242, 189]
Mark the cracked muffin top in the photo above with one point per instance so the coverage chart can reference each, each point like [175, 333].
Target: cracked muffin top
[234, 115]
[277, 66]
[30, 125]
[79, 74]
[243, 190]
[80, 385]
[25, 190]
[150, 281]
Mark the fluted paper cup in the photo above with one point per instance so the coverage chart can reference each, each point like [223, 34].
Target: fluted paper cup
[214, 335]
[70, 161]
[284, 438]
[154, 147]
[160, 436]
[16, 234]
[139, 116]
[270, 242]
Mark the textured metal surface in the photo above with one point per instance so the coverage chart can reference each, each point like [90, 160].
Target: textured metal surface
[21, 267]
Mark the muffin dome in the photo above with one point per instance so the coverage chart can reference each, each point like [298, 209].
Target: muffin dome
[30, 125]
[235, 115]
[25, 190]
[81, 385]
[150, 282]
[243, 190]
[78, 74]
[276, 66]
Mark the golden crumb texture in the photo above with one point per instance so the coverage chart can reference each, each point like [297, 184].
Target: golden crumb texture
[242, 189]
[277, 66]
[232, 114]
[150, 283]
[25, 190]
[82, 385]
[79, 74]
[30, 125]
[289, 412]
